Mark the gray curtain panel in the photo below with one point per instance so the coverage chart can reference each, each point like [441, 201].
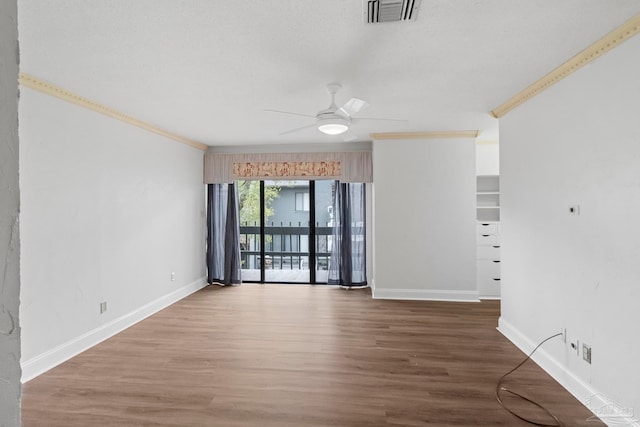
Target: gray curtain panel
[223, 234]
[347, 264]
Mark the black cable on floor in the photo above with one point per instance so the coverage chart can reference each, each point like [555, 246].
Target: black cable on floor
[499, 389]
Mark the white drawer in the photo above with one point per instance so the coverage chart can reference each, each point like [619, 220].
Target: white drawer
[487, 240]
[489, 288]
[488, 270]
[488, 252]
[487, 228]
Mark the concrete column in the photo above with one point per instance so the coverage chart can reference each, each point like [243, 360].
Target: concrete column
[10, 386]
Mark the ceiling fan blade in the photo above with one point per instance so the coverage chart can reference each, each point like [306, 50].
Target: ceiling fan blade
[298, 129]
[287, 112]
[352, 106]
[377, 119]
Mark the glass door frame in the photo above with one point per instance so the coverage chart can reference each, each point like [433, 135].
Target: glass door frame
[312, 238]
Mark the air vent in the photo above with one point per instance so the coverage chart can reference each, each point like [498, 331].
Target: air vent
[391, 10]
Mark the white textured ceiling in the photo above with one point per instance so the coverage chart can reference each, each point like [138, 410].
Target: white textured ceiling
[207, 69]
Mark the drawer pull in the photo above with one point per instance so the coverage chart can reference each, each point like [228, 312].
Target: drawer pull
[496, 260]
[497, 280]
[496, 246]
[485, 225]
[486, 235]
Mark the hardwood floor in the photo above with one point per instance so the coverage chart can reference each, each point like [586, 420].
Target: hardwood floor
[294, 355]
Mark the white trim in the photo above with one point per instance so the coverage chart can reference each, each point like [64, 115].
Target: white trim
[426, 295]
[40, 85]
[591, 398]
[597, 49]
[43, 362]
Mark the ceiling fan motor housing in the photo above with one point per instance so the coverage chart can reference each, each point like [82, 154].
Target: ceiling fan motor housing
[332, 124]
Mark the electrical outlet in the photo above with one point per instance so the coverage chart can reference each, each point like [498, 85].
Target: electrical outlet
[173, 276]
[586, 353]
[103, 307]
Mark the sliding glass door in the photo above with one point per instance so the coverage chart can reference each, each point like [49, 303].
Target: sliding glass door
[285, 230]
[324, 220]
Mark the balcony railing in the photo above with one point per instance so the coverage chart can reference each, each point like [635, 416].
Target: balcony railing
[286, 247]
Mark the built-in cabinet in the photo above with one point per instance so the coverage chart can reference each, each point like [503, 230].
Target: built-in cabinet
[488, 236]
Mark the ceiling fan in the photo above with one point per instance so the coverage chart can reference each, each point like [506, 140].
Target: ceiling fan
[334, 120]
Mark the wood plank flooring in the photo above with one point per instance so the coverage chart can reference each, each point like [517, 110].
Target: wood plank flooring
[295, 355]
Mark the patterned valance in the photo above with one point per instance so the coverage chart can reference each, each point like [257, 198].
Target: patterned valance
[287, 169]
[343, 166]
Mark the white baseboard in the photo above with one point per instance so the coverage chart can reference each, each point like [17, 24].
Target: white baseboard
[43, 362]
[426, 295]
[609, 412]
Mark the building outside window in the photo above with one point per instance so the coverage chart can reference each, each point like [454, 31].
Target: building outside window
[302, 202]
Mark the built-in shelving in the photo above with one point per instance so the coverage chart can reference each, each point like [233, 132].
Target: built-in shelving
[488, 237]
[488, 198]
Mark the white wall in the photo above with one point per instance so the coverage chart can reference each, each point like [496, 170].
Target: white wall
[9, 226]
[577, 143]
[487, 159]
[108, 212]
[424, 219]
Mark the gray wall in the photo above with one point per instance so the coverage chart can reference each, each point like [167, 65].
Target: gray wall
[10, 373]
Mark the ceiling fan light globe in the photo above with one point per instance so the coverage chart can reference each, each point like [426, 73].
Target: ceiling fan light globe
[333, 126]
[333, 129]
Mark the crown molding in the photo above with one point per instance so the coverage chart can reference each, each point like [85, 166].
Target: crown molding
[439, 134]
[599, 48]
[60, 93]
